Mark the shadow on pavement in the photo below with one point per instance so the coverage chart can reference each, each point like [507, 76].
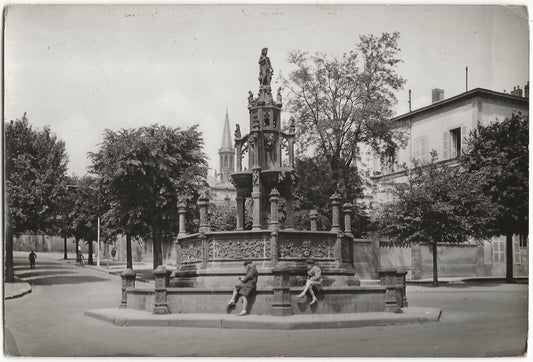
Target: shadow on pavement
[66, 279]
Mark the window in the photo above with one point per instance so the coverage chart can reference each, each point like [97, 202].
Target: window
[498, 249]
[455, 147]
[523, 241]
[421, 149]
[516, 249]
[453, 143]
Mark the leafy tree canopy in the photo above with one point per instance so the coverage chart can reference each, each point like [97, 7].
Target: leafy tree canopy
[35, 177]
[438, 204]
[343, 103]
[500, 152]
[143, 173]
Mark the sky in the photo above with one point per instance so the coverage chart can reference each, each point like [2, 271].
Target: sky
[81, 69]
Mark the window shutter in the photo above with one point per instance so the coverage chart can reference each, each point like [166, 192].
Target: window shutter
[463, 139]
[445, 145]
[516, 249]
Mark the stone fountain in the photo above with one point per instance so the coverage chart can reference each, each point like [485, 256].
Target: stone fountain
[209, 262]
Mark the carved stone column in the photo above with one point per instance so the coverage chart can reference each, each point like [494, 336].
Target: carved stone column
[335, 202]
[274, 238]
[347, 209]
[203, 203]
[128, 281]
[240, 212]
[312, 217]
[162, 281]
[274, 198]
[182, 210]
[256, 196]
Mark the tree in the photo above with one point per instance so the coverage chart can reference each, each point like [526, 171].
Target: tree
[438, 204]
[35, 177]
[143, 173]
[85, 212]
[499, 151]
[344, 104]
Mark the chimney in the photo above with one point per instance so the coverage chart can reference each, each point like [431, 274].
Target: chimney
[516, 92]
[526, 90]
[437, 95]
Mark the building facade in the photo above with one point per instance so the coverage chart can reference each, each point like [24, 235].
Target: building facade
[443, 126]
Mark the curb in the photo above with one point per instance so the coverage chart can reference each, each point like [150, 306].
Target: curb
[138, 318]
[466, 280]
[27, 290]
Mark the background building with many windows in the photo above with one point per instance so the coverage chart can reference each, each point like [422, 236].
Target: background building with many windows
[444, 126]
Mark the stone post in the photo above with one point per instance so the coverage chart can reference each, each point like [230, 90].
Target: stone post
[281, 301]
[240, 212]
[203, 203]
[182, 210]
[335, 202]
[274, 237]
[347, 208]
[312, 217]
[395, 294]
[289, 221]
[162, 281]
[128, 281]
[256, 196]
[204, 253]
[274, 198]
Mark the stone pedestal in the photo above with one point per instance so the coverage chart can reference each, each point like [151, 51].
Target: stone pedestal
[281, 300]
[162, 280]
[334, 203]
[128, 281]
[395, 294]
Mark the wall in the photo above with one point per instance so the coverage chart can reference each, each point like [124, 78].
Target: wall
[463, 260]
[47, 244]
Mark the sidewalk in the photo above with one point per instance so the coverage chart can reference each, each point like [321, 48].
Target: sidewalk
[16, 290]
[466, 280]
[132, 317]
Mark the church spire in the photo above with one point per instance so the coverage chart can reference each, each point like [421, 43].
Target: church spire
[226, 136]
[226, 153]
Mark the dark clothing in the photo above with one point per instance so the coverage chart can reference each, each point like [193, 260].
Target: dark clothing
[32, 258]
[248, 282]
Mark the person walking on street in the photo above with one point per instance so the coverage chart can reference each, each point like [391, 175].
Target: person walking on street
[32, 258]
[245, 287]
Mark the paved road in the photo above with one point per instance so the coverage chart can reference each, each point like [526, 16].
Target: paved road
[483, 320]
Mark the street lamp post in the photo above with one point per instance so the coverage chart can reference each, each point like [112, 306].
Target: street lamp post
[98, 242]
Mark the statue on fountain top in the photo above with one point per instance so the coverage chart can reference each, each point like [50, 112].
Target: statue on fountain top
[265, 69]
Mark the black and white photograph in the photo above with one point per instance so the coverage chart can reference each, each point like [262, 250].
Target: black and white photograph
[265, 180]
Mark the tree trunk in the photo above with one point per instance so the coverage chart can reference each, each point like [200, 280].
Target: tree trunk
[9, 276]
[157, 255]
[129, 260]
[65, 246]
[77, 245]
[90, 258]
[509, 258]
[435, 267]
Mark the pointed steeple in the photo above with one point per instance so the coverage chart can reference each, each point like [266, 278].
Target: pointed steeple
[226, 152]
[226, 136]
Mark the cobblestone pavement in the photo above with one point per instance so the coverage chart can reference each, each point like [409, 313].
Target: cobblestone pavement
[487, 319]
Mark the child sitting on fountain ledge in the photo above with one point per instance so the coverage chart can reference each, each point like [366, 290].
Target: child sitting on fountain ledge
[314, 279]
[245, 287]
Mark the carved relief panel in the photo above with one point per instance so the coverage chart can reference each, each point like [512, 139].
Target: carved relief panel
[303, 249]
